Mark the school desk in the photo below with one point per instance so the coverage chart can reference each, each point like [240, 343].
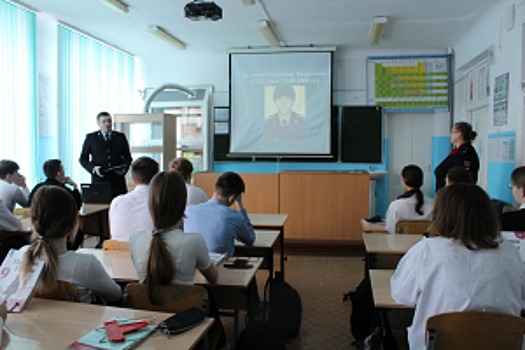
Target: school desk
[264, 247]
[51, 324]
[384, 250]
[93, 219]
[373, 226]
[380, 280]
[271, 222]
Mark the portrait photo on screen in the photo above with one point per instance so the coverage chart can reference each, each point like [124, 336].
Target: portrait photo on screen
[279, 107]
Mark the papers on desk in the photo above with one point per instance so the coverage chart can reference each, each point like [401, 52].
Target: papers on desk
[98, 339]
[16, 296]
[217, 258]
[517, 239]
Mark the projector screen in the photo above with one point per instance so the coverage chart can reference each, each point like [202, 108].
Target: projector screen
[280, 103]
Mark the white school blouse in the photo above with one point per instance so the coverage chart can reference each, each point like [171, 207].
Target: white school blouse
[440, 275]
[404, 209]
[195, 195]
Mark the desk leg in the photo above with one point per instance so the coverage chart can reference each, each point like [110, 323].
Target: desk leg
[281, 230]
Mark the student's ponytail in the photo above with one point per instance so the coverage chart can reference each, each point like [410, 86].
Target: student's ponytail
[413, 177]
[160, 269]
[40, 249]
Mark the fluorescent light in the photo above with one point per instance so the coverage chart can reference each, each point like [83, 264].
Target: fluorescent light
[248, 2]
[116, 5]
[378, 24]
[167, 37]
[268, 32]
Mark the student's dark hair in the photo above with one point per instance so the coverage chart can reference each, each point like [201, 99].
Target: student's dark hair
[7, 167]
[167, 202]
[465, 129]
[464, 212]
[518, 177]
[143, 169]
[103, 114]
[459, 174]
[54, 215]
[413, 177]
[283, 90]
[182, 166]
[52, 167]
[229, 183]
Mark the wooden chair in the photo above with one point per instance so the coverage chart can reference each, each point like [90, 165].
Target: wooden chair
[412, 227]
[110, 244]
[172, 298]
[26, 212]
[65, 292]
[475, 330]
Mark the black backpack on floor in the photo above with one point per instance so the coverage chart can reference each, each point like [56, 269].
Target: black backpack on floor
[285, 309]
[362, 317]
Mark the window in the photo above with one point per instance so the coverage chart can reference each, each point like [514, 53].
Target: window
[18, 103]
[93, 77]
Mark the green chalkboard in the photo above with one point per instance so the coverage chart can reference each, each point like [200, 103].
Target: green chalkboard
[361, 134]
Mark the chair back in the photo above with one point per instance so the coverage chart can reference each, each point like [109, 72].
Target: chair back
[65, 291]
[475, 330]
[412, 227]
[110, 244]
[172, 298]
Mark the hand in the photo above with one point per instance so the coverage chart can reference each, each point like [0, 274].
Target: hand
[238, 201]
[69, 181]
[20, 180]
[120, 172]
[97, 170]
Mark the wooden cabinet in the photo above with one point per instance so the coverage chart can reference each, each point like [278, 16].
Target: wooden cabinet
[262, 190]
[321, 206]
[324, 205]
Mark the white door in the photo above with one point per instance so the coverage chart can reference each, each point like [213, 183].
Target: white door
[480, 124]
[409, 142]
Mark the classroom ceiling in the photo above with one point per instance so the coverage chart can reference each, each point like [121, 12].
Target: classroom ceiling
[413, 24]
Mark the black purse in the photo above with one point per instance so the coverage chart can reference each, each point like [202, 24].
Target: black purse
[182, 321]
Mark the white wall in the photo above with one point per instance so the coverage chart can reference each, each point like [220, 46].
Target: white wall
[487, 31]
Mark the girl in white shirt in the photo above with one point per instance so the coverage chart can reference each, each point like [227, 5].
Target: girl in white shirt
[54, 215]
[411, 205]
[173, 255]
[466, 267]
[184, 167]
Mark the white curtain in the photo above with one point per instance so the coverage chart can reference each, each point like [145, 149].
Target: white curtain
[92, 77]
[18, 98]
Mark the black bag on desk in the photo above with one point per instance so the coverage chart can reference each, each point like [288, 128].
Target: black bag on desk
[285, 308]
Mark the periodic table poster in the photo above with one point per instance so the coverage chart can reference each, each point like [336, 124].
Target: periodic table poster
[409, 82]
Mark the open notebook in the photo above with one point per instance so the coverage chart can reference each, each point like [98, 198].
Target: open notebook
[217, 258]
[16, 294]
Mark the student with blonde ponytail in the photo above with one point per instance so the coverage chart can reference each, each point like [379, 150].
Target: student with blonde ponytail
[173, 255]
[54, 215]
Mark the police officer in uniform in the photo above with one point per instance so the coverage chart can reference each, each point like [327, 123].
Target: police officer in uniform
[106, 156]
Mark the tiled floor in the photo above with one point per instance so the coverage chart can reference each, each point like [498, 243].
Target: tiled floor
[321, 282]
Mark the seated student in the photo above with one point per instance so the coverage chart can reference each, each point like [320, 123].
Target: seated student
[183, 166]
[56, 176]
[167, 255]
[466, 267]
[13, 188]
[8, 221]
[217, 222]
[55, 216]
[411, 205]
[129, 213]
[515, 220]
[458, 174]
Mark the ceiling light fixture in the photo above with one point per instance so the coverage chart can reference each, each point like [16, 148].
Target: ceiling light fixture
[268, 32]
[167, 37]
[116, 5]
[378, 25]
[248, 2]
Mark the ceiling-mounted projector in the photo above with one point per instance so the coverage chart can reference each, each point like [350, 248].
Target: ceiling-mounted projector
[199, 10]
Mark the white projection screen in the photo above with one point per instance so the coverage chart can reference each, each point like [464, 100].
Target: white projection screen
[280, 103]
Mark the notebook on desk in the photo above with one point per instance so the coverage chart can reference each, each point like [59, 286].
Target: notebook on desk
[96, 193]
